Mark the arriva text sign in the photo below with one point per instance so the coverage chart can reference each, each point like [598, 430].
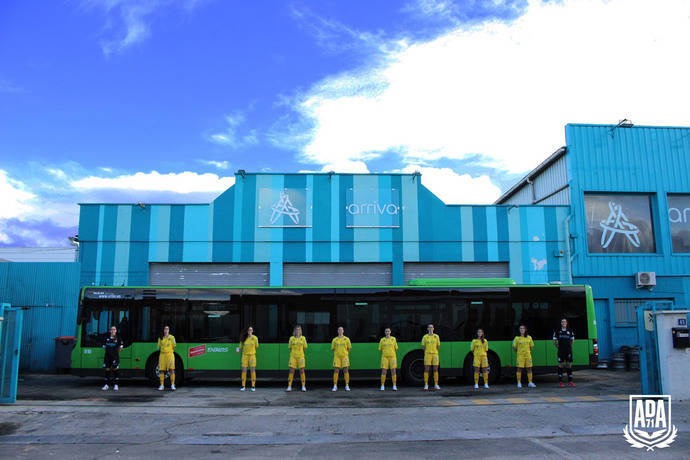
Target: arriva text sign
[372, 207]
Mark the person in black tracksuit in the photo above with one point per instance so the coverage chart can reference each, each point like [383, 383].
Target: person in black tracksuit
[111, 360]
[563, 340]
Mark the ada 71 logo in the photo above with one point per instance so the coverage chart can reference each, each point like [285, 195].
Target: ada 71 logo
[649, 422]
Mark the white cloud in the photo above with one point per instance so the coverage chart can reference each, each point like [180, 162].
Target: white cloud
[16, 200]
[505, 90]
[230, 136]
[454, 188]
[218, 164]
[184, 182]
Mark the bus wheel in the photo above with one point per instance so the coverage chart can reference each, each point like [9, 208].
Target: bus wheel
[153, 374]
[494, 366]
[413, 368]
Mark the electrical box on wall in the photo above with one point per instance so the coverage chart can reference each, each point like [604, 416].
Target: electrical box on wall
[645, 280]
[681, 337]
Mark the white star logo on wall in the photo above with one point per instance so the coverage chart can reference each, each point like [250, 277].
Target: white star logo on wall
[283, 207]
[617, 223]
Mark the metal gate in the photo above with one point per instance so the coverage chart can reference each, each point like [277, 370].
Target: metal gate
[188, 274]
[338, 274]
[10, 345]
[414, 270]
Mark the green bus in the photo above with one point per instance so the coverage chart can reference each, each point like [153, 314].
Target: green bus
[207, 321]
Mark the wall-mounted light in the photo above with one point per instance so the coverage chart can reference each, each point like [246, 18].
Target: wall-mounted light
[241, 172]
[415, 174]
[141, 205]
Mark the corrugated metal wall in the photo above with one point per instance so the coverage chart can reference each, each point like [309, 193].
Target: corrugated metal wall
[50, 291]
[368, 274]
[553, 178]
[208, 274]
[456, 270]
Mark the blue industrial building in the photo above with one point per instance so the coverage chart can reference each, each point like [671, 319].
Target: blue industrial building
[628, 192]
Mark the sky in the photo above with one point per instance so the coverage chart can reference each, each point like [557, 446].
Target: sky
[163, 100]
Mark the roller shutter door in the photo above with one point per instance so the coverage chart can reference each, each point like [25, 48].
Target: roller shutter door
[337, 274]
[455, 270]
[208, 274]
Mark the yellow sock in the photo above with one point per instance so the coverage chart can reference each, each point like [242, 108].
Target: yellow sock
[172, 379]
[529, 377]
[383, 379]
[290, 377]
[518, 375]
[335, 378]
[395, 379]
[347, 378]
[476, 378]
[162, 376]
[253, 378]
[426, 378]
[244, 378]
[303, 377]
[436, 378]
[486, 378]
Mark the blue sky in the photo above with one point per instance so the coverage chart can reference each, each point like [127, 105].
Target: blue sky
[162, 100]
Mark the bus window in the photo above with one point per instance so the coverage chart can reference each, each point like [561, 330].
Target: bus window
[172, 313]
[411, 312]
[364, 319]
[214, 322]
[316, 316]
[537, 308]
[574, 309]
[265, 321]
[99, 319]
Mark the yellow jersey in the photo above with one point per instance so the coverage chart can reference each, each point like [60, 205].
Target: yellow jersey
[297, 345]
[523, 345]
[250, 345]
[341, 346]
[431, 344]
[388, 347]
[479, 348]
[167, 344]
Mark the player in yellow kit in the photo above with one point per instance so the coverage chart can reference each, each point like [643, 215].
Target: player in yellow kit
[431, 343]
[297, 345]
[248, 345]
[388, 346]
[523, 344]
[480, 348]
[166, 359]
[341, 347]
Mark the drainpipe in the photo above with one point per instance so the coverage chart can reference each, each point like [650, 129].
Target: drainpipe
[531, 188]
[568, 256]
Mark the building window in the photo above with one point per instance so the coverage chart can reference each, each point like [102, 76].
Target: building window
[624, 310]
[679, 221]
[619, 224]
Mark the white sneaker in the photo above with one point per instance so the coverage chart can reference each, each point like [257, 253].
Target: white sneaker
[335, 388]
[347, 387]
[116, 388]
[486, 385]
[161, 388]
[304, 388]
[436, 387]
[395, 388]
[242, 389]
[253, 389]
[383, 388]
[105, 387]
[289, 388]
[531, 385]
[426, 387]
[519, 385]
[476, 386]
[172, 387]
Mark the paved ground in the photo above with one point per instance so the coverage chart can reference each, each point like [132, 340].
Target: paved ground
[68, 417]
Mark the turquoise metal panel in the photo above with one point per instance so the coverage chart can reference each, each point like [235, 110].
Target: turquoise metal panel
[10, 354]
[195, 241]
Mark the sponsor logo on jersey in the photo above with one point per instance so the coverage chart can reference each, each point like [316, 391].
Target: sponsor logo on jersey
[649, 422]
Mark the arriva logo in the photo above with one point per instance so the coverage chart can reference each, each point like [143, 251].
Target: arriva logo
[284, 207]
[676, 216]
[649, 422]
[372, 209]
[217, 349]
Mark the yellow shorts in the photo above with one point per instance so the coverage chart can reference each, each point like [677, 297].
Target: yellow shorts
[389, 362]
[431, 360]
[248, 360]
[296, 362]
[524, 361]
[166, 362]
[341, 361]
[481, 361]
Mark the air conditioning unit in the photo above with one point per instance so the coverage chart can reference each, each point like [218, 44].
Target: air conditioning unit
[645, 279]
